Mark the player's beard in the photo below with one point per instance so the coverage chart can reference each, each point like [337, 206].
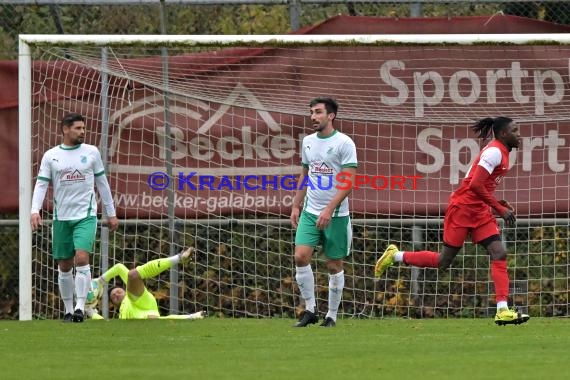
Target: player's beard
[514, 144]
[78, 140]
[319, 127]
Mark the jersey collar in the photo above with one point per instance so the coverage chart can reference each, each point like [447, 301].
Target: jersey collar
[65, 147]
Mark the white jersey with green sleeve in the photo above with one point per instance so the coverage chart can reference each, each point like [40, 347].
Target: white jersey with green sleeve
[72, 171]
[325, 157]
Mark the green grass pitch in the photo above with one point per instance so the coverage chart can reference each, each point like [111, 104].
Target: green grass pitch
[257, 349]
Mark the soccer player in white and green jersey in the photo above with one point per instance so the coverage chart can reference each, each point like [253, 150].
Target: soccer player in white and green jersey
[137, 302]
[73, 168]
[324, 216]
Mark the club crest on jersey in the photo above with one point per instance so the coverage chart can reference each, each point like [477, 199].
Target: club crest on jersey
[83, 159]
[330, 150]
[319, 167]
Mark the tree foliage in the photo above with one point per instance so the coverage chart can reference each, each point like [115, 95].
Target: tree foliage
[226, 19]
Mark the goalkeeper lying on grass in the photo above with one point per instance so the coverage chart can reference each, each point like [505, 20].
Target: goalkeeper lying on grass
[137, 302]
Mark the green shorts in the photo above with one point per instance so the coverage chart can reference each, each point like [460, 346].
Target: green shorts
[336, 238]
[71, 235]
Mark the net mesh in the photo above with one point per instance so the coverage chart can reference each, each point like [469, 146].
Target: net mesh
[185, 132]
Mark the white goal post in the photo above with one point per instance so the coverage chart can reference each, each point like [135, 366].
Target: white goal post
[209, 108]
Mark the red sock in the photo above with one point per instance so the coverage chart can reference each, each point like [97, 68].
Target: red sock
[500, 278]
[422, 259]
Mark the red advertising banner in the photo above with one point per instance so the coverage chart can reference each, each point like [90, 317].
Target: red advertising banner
[408, 110]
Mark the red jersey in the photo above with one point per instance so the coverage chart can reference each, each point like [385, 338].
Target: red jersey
[495, 159]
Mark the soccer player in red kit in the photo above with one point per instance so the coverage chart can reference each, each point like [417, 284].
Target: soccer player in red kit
[469, 211]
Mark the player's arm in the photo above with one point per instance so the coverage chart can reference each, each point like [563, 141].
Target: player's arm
[107, 200]
[105, 192]
[116, 270]
[488, 162]
[299, 197]
[39, 194]
[505, 203]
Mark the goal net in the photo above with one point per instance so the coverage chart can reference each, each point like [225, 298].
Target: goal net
[201, 138]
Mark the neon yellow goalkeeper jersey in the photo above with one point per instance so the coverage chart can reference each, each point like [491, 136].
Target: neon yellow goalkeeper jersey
[143, 307]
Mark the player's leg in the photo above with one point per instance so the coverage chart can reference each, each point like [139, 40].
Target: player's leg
[66, 287]
[500, 277]
[63, 253]
[135, 283]
[84, 232]
[196, 315]
[307, 237]
[142, 303]
[487, 235]
[155, 267]
[337, 243]
[499, 273]
[116, 270]
[122, 271]
[455, 230]
[456, 225]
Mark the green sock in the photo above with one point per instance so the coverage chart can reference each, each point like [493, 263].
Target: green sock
[155, 267]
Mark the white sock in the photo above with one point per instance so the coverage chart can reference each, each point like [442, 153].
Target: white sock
[399, 256]
[65, 284]
[82, 284]
[336, 284]
[502, 304]
[306, 281]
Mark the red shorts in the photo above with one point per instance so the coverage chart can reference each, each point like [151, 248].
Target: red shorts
[462, 220]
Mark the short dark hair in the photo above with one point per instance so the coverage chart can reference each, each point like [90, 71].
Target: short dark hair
[71, 118]
[330, 104]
